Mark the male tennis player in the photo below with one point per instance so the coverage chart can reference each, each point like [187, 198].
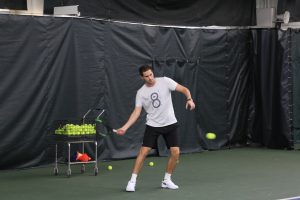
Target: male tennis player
[155, 97]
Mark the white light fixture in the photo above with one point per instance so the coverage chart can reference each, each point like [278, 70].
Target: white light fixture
[35, 7]
[284, 18]
[67, 10]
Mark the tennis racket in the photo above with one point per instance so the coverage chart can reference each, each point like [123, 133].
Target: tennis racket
[103, 127]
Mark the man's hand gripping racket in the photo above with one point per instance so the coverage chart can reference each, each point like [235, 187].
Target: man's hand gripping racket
[119, 131]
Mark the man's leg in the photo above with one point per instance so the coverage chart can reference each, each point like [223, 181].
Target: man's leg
[175, 152]
[167, 182]
[144, 151]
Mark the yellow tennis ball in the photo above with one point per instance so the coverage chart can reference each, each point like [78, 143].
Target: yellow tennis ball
[211, 136]
[109, 167]
[151, 164]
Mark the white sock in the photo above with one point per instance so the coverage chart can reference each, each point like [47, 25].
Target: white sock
[167, 176]
[133, 177]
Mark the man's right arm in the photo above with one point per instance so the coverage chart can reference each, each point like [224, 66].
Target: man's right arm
[132, 119]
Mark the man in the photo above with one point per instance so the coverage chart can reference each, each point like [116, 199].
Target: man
[155, 97]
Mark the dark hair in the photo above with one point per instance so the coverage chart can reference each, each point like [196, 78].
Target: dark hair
[144, 68]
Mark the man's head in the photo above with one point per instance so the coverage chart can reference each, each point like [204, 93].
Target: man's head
[144, 68]
[147, 75]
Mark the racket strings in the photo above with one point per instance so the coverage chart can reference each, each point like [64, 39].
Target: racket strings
[103, 128]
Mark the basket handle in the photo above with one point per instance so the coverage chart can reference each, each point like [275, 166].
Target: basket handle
[84, 116]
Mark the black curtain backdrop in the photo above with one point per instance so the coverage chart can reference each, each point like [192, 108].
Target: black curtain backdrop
[50, 69]
[273, 88]
[174, 12]
[58, 68]
[295, 63]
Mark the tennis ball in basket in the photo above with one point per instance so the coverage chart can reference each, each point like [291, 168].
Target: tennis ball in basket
[109, 167]
[151, 164]
[210, 136]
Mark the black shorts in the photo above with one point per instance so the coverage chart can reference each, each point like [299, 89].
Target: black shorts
[169, 133]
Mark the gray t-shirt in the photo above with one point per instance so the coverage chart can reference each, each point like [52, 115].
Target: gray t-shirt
[157, 102]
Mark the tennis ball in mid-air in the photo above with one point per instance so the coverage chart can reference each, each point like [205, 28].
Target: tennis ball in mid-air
[151, 164]
[109, 167]
[211, 136]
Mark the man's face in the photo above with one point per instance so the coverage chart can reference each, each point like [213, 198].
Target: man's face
[148, 77]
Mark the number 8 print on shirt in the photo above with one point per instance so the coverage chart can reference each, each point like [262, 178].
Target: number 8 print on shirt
[155, 100]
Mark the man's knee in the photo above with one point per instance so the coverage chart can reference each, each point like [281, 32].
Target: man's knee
[175, 151]
[144, 151]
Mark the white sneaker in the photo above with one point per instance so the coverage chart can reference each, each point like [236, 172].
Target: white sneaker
[169, 184]
[130, 186]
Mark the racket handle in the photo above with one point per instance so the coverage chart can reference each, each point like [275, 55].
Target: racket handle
[114, 130]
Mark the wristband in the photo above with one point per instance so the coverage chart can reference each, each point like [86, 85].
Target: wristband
[189, 99]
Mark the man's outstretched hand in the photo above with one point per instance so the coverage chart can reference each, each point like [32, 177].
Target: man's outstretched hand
[120, 131]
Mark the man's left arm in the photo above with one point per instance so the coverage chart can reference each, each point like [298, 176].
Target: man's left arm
[189, 101]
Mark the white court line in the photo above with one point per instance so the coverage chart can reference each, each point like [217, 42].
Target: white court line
[291, 198]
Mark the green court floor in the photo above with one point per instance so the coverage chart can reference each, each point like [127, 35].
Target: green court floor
[235, 174]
